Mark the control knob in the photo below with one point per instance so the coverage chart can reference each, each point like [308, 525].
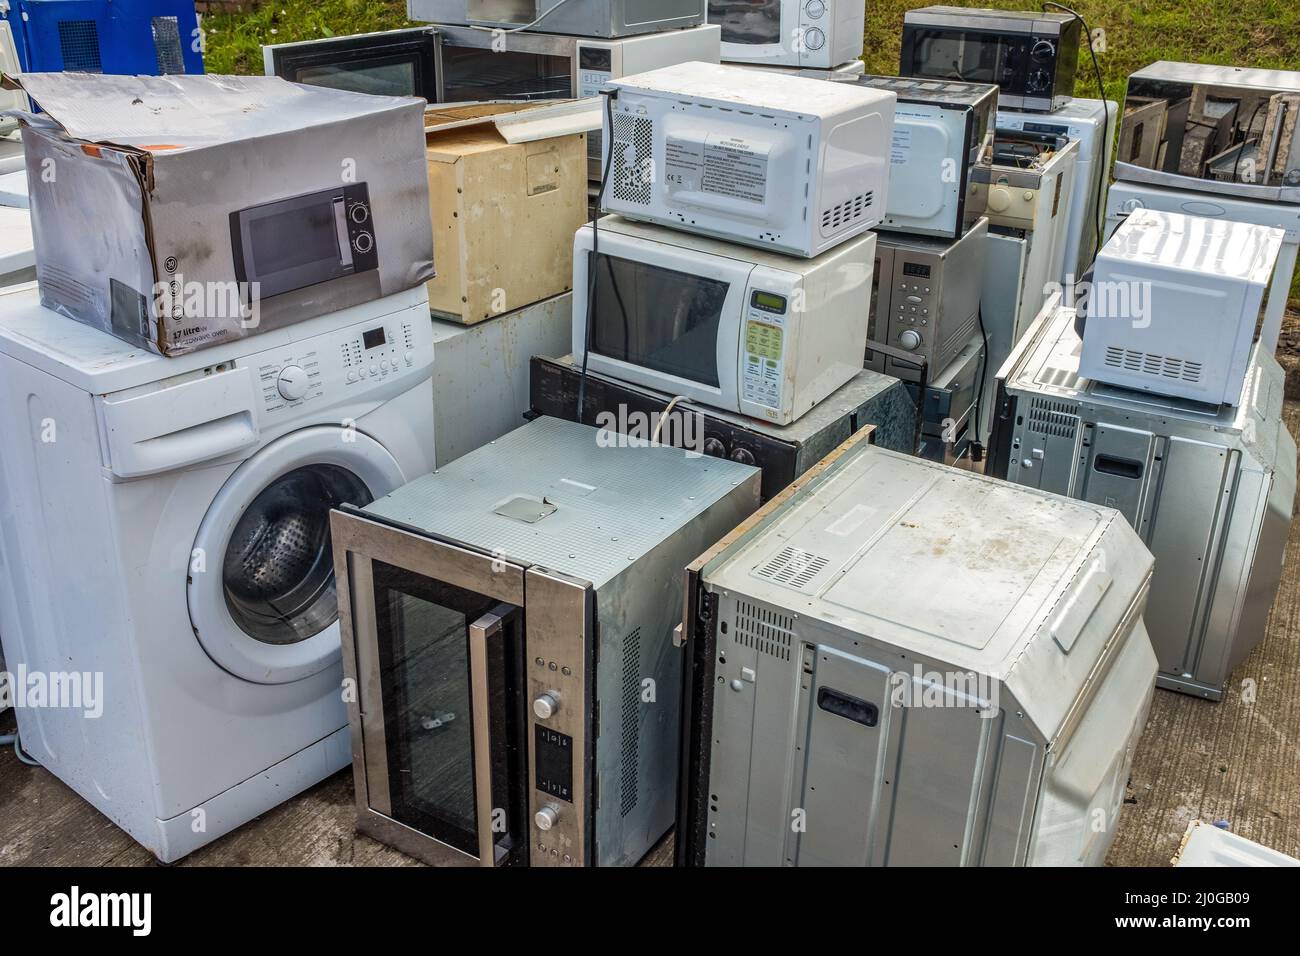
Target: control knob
[910, 339]
[815, 9]
[546, 817]
[814, 39]
[744, 456]
[546, 705]
[292, 383]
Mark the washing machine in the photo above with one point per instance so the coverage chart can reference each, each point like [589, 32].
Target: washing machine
[164, 524]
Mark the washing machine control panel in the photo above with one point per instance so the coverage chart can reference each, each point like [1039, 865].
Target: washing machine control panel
[385, 356]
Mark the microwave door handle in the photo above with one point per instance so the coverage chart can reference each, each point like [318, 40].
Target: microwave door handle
[487, 628]
[341, 227]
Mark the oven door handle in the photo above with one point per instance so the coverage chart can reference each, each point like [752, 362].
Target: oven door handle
[487, 628]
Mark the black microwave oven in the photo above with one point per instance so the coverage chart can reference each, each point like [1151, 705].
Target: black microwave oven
[1032, 57]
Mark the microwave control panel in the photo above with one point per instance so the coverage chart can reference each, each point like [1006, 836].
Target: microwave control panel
[762, 370]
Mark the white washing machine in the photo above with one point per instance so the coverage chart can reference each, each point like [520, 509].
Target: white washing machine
[164, 522]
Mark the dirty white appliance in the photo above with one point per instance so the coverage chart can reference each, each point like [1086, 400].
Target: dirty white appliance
[11, 146]
[509, 622]
[1091, 124]
[785, 163]
[597, 18]
[17, 246]
[1174, 304]
[1128, 197]
[1205, 844]
[165, 523]
[728, 326]
[818, 34]
[1210, 489]
[908, 664]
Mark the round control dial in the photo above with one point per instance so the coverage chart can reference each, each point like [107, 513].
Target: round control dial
[546, 817]
[292, 383]
[363, 242]
[546, 705]
[910, 339]
[816, 9]
[1043, 51]
[813, 39]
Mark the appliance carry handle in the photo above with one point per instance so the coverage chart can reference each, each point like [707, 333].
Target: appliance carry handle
[487, 628]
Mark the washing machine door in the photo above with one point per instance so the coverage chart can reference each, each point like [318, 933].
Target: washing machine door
[261, 585]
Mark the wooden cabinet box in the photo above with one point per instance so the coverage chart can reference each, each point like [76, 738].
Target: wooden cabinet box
[504, 214]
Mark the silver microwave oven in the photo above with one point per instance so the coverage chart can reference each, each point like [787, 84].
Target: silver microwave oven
[594, 18]
[740, 329]
[457, 64]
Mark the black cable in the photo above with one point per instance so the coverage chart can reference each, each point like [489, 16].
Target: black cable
[977, 446]
[1102, 172]
[595, 245]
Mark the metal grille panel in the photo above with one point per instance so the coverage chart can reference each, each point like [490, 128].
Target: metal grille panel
[167, 45]
[632, 180]
[79, 44]
[631, 719]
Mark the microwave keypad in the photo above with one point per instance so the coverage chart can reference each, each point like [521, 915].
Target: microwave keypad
[764, 361]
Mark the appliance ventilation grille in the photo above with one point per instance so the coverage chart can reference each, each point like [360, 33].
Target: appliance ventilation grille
[793, 567]
[632, 181]
[1058, 419]
[631, 719]
[765, 631]
[79, 44]
[167, 45]
[846, 213]
[1148, 363]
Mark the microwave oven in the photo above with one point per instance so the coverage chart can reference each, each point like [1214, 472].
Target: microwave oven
[508, 621]
[943, 130]
[1213, 129]
[451, 64]
[595, 18]
[781, 162]
[1032, 57]
[740, 329]
[293, 243]
[818, 34]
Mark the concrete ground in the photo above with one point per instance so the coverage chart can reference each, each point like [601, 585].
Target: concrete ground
[1238, 761]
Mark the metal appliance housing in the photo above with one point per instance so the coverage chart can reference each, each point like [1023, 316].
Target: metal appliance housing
[1032, 57]
[902, 663]
[1210, 490]
[925, 299]
[565, 556]
[595, 18]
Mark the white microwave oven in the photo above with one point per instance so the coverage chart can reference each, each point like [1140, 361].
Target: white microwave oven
[781, 162]
[740, 329]
[814, 34]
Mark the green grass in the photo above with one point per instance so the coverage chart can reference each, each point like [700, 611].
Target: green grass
[1262, 33]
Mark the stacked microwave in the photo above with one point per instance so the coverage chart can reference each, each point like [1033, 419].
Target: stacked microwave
[813, 34]
[596, 18]
[1031, 57]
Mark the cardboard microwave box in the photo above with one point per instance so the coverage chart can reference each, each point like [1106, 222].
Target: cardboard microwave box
[180, 212]
[508, 188]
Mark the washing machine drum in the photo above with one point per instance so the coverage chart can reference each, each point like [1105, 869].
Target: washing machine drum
[278, 570]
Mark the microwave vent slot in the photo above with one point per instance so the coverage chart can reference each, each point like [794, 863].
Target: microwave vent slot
[793, 567]
[633, 154]
[631, 720]
[1057, 419]
[844, 214]
[764, 631]
[1149, 363]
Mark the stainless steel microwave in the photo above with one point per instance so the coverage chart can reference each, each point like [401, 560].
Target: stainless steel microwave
[455, 64]
[301, 241]
[595, 18]
[509, 622]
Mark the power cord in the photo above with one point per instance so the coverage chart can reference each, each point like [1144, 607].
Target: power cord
[1102, 172]
[610, 96]
[21, 754]
[977, 446]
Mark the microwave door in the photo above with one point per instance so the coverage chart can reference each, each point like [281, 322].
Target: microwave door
[442, 691]
[394, 63]
[481, 65]
[757, 31]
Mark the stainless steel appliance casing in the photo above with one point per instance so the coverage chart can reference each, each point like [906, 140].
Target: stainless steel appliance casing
[1032, 56]
[1179, 118]
[907, 664]
[1210, 490]
[925, 298]
[582, 546]
[596, 18]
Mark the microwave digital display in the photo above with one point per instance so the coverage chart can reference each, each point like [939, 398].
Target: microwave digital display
[769, 302]
[657, 318]
[747, 21]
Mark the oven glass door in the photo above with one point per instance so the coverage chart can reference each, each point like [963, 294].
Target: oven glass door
[970, 56]
[658, 318]
[396, 63]
[749, 22]
[449, 671]
[477, 73]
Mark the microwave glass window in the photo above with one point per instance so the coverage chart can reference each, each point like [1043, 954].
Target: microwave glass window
[423, 641]
[658, 318]
[954, 55]
[294, 238]
[748, 21]
[475, 74]
[380, 76]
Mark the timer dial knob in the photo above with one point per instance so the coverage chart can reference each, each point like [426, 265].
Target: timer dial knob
[546, 817]
[814, 38]
[910, 340]
[546, 705]
[292, 383]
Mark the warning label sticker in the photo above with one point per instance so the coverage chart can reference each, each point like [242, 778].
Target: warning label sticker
[901, 147]
[725, 165]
